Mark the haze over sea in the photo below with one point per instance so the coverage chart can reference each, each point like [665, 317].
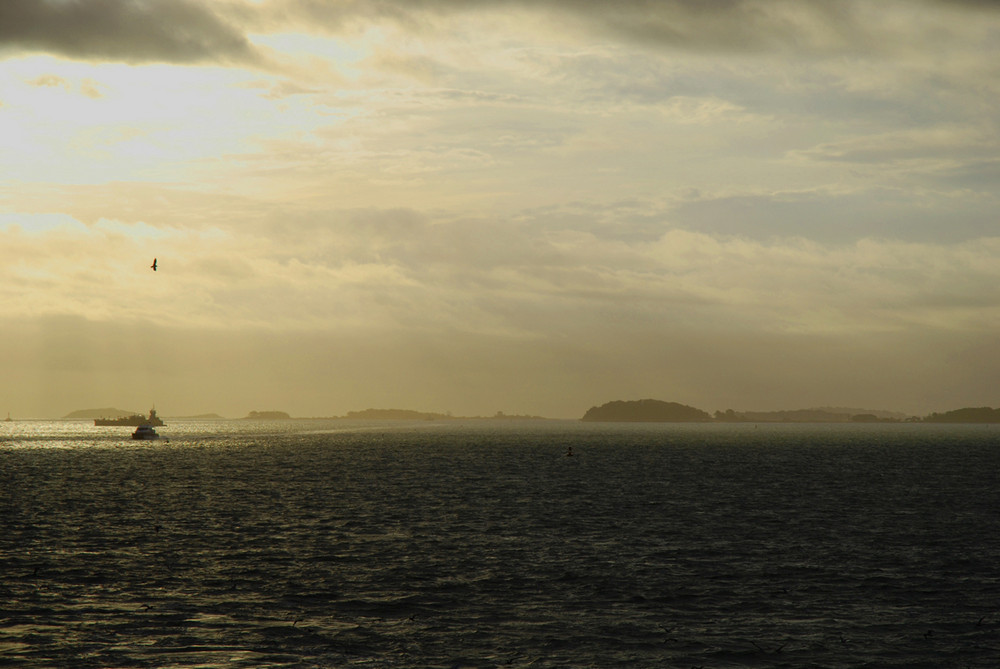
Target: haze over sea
[481, 544]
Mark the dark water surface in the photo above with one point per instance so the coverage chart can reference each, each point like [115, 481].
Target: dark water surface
[325, 544]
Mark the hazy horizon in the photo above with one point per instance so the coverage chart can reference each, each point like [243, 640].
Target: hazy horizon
[527, 207]
[101, 411]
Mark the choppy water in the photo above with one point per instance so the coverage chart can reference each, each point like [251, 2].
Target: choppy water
[323, 544]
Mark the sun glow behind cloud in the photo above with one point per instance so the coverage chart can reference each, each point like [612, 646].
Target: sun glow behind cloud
[148, 123]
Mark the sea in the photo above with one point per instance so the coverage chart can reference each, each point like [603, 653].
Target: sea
[484, 543]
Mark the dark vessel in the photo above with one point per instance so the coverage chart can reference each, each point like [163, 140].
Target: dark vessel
[134, 420]
[145, 432]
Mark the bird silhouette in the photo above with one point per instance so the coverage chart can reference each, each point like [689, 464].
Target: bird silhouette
[154, 264]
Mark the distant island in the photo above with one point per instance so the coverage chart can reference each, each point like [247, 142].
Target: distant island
[91, 414]
[267, 415]
[646, 411]
[112, 413]
[967, 415]
[657, 411]
[366, 414]
[818, 415]
[409, 414]
[393, 414]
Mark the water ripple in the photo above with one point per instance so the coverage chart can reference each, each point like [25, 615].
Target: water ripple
[465, 545]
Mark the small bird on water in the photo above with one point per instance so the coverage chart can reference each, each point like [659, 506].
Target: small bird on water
[154, 264]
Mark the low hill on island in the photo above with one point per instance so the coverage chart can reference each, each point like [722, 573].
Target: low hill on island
[646, 411]
[267, 415]
[966, 415]
[90, 414]
[817, 415]
[110, 412]
[200, 416]
[394, 414]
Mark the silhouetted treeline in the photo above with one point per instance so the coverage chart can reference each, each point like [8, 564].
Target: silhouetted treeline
[966, 415]
[267, 415]
[668, 412]
[393, 414]
[793, 416]
[649, 411]
[805, 416]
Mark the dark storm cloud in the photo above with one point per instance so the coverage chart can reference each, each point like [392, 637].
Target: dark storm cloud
[178, 31]
[185, 31]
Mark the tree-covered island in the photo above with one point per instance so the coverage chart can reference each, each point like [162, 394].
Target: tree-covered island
[966, 415]
[658, 411]
[267, 415]
[646, 411]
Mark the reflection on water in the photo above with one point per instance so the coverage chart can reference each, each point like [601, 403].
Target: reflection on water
[324, 543]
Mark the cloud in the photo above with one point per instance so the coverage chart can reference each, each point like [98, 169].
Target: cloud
[944, 157]
[730, 26]
[88, 87]
[91, 89]
[529, 277]
[47, 80]
[184, 31]
[280, 90]
[724, 25]
[838, 216]
[903, 146]
[176, 31]
[554, 311]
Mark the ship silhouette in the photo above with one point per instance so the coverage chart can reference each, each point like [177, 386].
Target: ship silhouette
[135, 420]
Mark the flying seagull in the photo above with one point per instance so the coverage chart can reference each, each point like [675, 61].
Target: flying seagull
[154, 264]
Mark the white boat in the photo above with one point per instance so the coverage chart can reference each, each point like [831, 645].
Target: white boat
[145, 432]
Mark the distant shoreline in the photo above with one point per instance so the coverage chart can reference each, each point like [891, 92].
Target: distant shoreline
[658, 411]
[631, 411]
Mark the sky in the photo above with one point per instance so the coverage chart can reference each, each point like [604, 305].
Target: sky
[475, 206]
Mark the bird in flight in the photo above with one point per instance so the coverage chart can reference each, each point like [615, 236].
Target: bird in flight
[154, 264]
